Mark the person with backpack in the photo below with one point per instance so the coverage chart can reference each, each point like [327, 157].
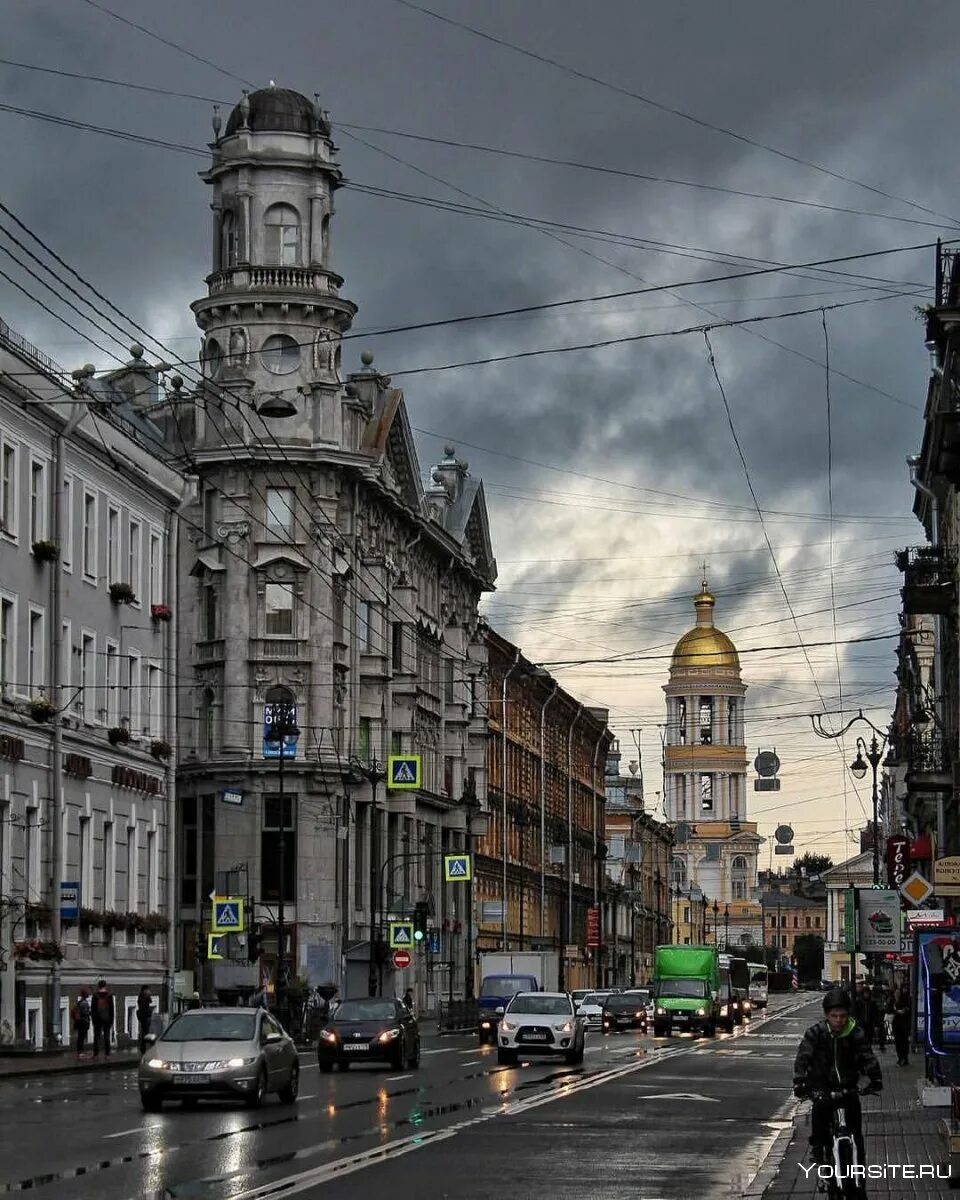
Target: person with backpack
[102, 1015]
[144, 1014]
[80, 1016]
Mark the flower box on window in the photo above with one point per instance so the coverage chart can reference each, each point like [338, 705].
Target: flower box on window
[45, 551]
[38, 951]
[114, 920]
[160, 750]
[155, 923]
[41, 709]
[160, 612]
[122, 593]
[118, 736]
[91, 918]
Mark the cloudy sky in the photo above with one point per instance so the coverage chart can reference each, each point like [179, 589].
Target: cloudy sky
[610, 472]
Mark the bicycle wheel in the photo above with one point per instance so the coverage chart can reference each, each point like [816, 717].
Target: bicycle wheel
[849, 1187]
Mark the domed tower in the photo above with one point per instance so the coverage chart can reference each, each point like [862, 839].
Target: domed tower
[273, 317]
[705, 768]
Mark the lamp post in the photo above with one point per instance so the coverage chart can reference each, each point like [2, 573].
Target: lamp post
[472, 806]
[726, 927]
[279, 735]
[373, 772]
[716, 918]
[858, 768]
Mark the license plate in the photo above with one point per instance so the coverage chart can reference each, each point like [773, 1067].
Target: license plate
[358, 1046]
[534, 1037]
[191, 1079]
[680, 1017]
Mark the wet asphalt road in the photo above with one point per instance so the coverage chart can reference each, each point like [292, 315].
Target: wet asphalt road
[644, 1118]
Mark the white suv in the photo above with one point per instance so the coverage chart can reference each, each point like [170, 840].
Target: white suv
[541, 1023]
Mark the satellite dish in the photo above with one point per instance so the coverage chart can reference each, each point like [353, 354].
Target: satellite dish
[766, 764]
[783, 834]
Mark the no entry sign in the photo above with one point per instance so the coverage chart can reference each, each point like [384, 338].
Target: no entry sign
[401, 959]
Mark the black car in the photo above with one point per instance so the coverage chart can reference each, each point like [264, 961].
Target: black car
[625, 1010]
[369, 1030]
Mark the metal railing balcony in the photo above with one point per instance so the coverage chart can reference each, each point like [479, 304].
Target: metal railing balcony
[929, 580]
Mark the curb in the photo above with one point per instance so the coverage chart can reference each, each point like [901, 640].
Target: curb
[773, 1159]
[113, 1063]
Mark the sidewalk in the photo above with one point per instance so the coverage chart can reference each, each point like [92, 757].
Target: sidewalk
[59, 1062]
[897, 1130]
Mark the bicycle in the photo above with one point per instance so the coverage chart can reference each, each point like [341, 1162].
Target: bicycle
[845, 1182]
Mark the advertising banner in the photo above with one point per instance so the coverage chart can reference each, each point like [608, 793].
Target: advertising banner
[898, 856]
[879, 920]
[948, 942]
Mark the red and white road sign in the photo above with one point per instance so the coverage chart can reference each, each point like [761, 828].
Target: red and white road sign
[401, 959]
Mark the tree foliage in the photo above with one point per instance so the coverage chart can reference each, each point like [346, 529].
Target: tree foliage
[813, 864]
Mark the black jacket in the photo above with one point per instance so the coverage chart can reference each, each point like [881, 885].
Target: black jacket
[102, 1008]
[828, 1061]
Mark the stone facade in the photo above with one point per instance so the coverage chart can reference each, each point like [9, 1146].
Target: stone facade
[322, 573]
[87, 502]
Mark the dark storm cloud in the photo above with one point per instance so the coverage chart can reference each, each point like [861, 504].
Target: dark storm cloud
[865, 89]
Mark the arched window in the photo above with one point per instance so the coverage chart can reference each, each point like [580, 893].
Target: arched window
[207, 730]
[738, 881]
[282, 224]
[746, 939]
[229, 248]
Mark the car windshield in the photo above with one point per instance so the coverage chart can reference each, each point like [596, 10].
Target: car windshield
[638, 996]
[594, 998]
[693, 989]
[366, 1010]
[550, 1006]
[202, 1026]
[500, 985]
[622, 1004]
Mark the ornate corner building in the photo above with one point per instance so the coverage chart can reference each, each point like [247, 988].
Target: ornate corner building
[705, 780]
[318, 571]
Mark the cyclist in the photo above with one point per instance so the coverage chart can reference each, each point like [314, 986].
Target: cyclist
[832, 1056]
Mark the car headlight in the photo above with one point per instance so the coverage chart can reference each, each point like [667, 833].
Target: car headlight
[661, 1012]
[238, 1062]
[388, 1035]
[484, 1024]
[746, 1005]
[158, 1064]
[328, 1035]
[723, 1010]
[640, 1013]
[701, 1012]
[566, 1027]
[508, 1026]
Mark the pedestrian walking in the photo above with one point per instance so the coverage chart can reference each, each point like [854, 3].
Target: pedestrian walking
[408, 1000]
[144, 1015]
[901, 1026]
[80, 1016]
[102, 1018]
[863, 1011]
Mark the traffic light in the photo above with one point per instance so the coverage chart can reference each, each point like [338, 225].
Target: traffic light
[254, 946]
[421, 914]
[200, 950]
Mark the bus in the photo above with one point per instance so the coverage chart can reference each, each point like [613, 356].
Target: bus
[758, 986]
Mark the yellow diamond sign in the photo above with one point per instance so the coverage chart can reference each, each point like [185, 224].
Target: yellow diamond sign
[916, 888]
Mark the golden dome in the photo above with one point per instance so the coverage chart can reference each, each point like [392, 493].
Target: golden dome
[704, 646]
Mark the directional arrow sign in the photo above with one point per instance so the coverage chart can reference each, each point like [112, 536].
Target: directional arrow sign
[680, 1096]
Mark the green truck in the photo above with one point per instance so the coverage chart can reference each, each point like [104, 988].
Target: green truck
[686, 981]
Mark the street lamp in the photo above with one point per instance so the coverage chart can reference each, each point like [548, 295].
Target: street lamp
[716, 918]
[726, 927]
[373, 772]
[472, 807]
[858, 768]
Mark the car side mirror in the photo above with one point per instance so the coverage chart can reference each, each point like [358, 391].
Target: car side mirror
[150, 1039]
[273, 1036]
[500, 1011]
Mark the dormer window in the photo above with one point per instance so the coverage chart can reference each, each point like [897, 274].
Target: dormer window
[282, 229]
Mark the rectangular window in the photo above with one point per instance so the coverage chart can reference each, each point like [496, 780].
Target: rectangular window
[109, 869]
[816, 922]
[278, 839]
[153, 872]
[278, 610]
[681, 721]
[189, 850]
[112, 680]
[364, 631]
[210, 513]
[134, 692]
[134, 561]
[133, 878]
[732, 732]
[448, 680]
[90, 537]
[87, 701]
[706, 793]
[807, 920]
[396, 646]
[38, 501]
[208, 612]
[279, 511]
[8, 643]
[113, 546]
[706, 720]
[36, 658]
[85, 873]
[796, 922]
[783, 941]
[152, 701]
[448, 771]
[66, 665]
[156, 570]
[363, 739]
[8, 488]
[686, 914]
[66, 529]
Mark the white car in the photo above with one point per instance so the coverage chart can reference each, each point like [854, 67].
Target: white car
[578, 994]
[591, 1007]
[541, 1023]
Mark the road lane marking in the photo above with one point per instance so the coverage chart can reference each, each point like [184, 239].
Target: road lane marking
[473, 1063]
[123, 1133]
[445, 1050]
[394, 1078]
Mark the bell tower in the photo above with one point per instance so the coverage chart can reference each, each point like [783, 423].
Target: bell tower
[273, 316]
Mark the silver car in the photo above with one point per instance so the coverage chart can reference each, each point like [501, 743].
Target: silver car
[237, 1053]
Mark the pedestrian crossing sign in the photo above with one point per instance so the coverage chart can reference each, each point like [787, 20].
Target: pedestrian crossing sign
[227, 915]
[215, 946]
[404, 772]
[401, 935]
[457, 868]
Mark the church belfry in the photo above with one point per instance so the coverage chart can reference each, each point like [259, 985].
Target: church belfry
[705, 766]
[273, 316]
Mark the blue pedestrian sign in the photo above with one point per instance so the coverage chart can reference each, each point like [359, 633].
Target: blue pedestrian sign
[227, 916]
[69, 901]
[457, 868]
[433, 942]
[404, 772]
